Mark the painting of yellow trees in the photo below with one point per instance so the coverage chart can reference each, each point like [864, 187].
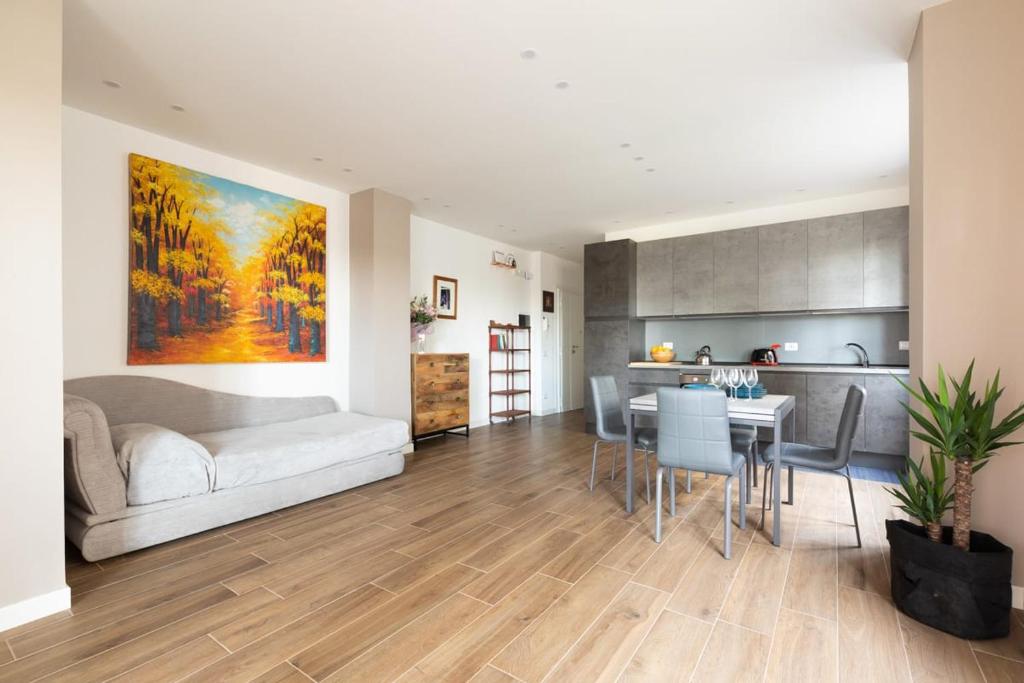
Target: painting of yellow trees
[222, 272]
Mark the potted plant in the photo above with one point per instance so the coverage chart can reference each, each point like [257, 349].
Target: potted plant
[421, 321]
[952, 578]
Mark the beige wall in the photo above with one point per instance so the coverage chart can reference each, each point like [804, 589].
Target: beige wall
[967, 219]
[379, 304]
[31, 479]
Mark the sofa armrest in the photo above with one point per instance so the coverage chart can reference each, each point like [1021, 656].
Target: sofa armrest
[92, 478]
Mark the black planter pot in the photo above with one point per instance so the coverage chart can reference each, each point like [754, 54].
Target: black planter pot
[966, 594]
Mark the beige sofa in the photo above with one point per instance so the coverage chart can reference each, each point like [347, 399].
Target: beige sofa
[149, 460]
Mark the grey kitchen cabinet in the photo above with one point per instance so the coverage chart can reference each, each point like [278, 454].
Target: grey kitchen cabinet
[609, 279]
[782, 267]
[654, 263]
[693, 274]
[887, 257]
[835, 262]
[789, 384]
[736, 271]
[886, 420]
[609, 346]
[826, 395]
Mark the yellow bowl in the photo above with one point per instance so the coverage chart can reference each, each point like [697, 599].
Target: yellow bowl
[663, 356]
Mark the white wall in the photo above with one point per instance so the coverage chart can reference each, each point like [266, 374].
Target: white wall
[95, 200]
[485, 293]
[31, 462]
[832, 206]
[555, 273]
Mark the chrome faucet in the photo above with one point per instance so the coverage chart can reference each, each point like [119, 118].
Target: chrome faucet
[861, 353]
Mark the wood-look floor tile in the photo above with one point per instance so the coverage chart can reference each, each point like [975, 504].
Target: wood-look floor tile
[756, 592]
[638, 545]
[433, 540]
[670, 651]
[863, 568]
[424, 567]
[503, 579]
[341, 647]
[390, 657]
[804, 649]
[176, 664]
[264, 654]
[1010, 647]
[868, 631]
[535, 651]
[733, 654]
[5, 653]
[674, 555]
[282, 673]
[999, 669]
[544, 503]
[467, 653]
[703, 589]
[491, 675]
[937, 656]
[585, 553]
[608, 645]
[503, 547]
[812, 586]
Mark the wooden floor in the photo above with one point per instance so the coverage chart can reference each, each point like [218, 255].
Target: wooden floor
[489, 560]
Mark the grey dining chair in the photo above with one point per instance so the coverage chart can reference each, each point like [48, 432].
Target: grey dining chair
[693, 434]
[611, 427]
[744, 440]
[817, 459]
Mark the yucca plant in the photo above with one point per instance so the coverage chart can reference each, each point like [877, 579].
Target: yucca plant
[961, 426]
[925, 496]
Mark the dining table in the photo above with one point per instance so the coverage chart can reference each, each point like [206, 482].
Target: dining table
[771, 411]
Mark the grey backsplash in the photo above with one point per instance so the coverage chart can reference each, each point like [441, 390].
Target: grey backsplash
[822, 338]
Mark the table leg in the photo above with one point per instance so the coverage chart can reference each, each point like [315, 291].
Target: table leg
[630, 426]
[777, 479]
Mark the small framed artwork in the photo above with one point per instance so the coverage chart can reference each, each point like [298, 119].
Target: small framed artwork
[549, 301]
[446, 297]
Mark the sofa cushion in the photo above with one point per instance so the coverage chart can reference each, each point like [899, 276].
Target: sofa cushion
[253, 455]
[160, 464]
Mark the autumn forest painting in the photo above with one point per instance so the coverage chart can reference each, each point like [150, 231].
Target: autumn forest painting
[222, 272]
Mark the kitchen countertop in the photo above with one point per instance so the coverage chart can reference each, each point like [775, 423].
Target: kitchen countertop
[824, 368]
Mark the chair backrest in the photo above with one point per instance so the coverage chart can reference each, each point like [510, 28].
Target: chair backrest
[853, 410]
[607, 406]
[693, 430]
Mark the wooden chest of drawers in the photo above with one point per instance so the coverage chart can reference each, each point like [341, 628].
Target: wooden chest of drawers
[440, 393]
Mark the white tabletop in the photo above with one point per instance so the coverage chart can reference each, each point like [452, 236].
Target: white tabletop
[755, 409]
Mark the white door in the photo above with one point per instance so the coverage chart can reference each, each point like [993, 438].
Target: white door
[569, 309]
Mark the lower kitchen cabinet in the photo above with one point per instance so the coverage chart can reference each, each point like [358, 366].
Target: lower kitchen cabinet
[790, 384]
[885, 417]
[826, 396]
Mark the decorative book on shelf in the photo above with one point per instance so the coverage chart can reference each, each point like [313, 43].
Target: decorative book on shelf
[509, 371]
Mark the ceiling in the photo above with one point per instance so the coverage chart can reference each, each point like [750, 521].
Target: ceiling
[731, 106]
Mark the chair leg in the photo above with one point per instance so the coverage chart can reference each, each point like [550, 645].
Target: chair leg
[672, 491]
[744, 495]
[658, 477]
[748, 465]
[754, 461]
[706, 475]
[689, 481]
[766, 483]
[615, 453]
[789, 493]
[593, 466]
[647, 475]
[853, 504]
[728, 517]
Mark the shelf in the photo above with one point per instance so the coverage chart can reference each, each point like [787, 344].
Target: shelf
[508, 350]
[506, 327]
[509, 392]
[510, 413]
[508, 372]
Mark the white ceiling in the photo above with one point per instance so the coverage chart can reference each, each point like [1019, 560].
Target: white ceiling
[751, 102]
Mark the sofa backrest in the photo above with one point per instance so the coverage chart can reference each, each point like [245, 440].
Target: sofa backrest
[186, 408]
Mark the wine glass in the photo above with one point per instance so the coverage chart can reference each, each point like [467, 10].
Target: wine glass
[734, 379]
[749, 381]
[717, 377]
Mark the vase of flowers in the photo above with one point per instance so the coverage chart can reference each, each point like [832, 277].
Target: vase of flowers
[421, 321]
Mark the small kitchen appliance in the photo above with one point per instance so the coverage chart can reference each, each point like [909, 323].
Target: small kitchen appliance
[703, 356]
[768, 356]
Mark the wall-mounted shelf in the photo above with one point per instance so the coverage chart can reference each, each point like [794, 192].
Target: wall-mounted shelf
[509, 358]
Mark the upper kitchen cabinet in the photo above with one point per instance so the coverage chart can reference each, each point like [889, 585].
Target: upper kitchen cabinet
[693, 275]
[886, 257]
[654, 263]
[609, 279]
[835, 262]
[736, 271]
[782, 267]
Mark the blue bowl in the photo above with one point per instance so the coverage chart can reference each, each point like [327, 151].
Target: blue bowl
[701, 386]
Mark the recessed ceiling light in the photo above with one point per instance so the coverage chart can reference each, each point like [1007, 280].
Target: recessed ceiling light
[562, 85]
[426, 199]
[650, 170]
[447, 206]
[112, 84]
[616, 221]
[730, 202]
[347, 170]
[668, 213]
[528, 53]
[501, 225]
[318, 158]
[801, 189]
[624, 145]
[883, 176]
[177, 107]
[638, 158]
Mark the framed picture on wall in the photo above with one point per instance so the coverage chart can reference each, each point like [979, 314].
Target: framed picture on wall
[548, 301]
[446, 297]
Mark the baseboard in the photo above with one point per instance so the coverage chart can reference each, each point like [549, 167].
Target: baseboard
[1017, 596]
[35, 608]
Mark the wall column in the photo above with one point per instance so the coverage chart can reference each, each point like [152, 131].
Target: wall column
[379, 304]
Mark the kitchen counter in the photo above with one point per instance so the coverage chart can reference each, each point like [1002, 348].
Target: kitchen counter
[811, 368]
